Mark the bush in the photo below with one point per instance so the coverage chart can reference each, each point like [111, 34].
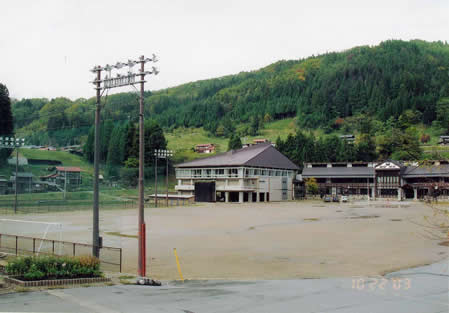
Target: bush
[54, 267]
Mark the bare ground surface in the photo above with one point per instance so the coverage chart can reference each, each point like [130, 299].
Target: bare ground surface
[307, 239]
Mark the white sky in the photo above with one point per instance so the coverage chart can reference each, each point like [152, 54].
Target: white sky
[48, 47]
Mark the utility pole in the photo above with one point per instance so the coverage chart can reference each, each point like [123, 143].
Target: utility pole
[11, 142]
[163, 154]
[155, 180]
[109, 82]
[166, 182]
[15, 182]
[142, 228]
[65, 184]
[96, 213]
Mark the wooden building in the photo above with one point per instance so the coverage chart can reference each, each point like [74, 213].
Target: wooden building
[389, 179]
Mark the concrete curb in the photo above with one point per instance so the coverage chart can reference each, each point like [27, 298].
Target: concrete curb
[56, 282]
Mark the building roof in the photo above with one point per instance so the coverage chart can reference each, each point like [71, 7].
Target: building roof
[260, 155]
[204, 145]
[49, 176]
[427, 171]
[68, 169]
[327, 172]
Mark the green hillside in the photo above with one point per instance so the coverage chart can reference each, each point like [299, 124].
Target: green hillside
[380, 81]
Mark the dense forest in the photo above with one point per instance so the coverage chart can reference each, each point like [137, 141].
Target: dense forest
[396, 84]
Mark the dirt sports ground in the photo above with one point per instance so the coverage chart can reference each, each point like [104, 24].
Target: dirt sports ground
[306, 239]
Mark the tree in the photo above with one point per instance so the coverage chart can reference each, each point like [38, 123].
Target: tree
[114, 161]
[154, 139]
[234, 143]
[311, 185]
[366, 149]
[88, 148]
[6, 125]
[442, 110]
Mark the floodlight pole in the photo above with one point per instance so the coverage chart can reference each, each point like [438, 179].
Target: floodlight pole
[142, 230]
[15, 184]
[95, 215]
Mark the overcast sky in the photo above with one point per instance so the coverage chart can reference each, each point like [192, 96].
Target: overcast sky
[48, 47]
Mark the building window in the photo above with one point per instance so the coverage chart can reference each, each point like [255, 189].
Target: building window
[219, 172]
[264, 172]
[234, 172]
[208, 173]
[256, 172]
[196, 173]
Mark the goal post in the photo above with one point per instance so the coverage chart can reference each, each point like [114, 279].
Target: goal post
[41, 231]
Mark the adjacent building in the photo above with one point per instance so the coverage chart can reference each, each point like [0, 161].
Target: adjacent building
[252, 174]
[24, 182]
[389, 179]
[205, 148]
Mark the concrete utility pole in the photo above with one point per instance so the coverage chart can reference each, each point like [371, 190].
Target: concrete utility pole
[142, 227]
[109, 82]
[96, 213]
[11, 142]
[15, 182]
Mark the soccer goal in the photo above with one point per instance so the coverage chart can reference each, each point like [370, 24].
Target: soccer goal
[35, 233]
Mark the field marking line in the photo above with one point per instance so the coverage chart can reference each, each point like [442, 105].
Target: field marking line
[87, 304]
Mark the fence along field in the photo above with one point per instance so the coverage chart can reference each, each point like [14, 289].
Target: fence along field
[22, 237]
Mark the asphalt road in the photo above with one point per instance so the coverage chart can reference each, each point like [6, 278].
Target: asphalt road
[421, 290]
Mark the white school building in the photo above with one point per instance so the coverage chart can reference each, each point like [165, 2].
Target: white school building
[258, 173]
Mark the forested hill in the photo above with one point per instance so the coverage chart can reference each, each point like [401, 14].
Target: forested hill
[382, 81]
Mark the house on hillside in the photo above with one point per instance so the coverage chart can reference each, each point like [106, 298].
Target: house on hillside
[24, 182]
[205, 148]
[253, 174]
[348, 138]
[444, 140]
[71, 174]
[3, 185]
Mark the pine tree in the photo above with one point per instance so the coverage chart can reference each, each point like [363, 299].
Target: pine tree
[234, 143]
[113, 159]
[6, 125]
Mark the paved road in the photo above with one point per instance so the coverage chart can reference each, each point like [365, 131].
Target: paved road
[420, 290]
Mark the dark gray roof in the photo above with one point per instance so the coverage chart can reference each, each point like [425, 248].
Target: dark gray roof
[426, 171]
[23, 174]
[260, 155]
[327, 172]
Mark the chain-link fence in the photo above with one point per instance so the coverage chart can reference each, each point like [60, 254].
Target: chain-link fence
[110, 257]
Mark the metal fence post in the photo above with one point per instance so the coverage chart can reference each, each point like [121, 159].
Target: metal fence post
[73, 249]
[17, 239]
[34, 245]
[120, 260]
[53, 248]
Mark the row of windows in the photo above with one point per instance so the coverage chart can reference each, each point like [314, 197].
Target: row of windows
[388, 179]
[231, 172]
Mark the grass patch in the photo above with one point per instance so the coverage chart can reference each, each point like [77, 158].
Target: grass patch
[444, 243]
[311, 219]
[364, 217]
[396, 220]
[127, 277]
[114, 233]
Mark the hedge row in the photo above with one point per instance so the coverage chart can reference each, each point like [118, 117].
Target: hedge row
[54, 267]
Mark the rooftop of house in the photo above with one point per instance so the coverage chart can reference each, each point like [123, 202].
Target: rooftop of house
[68, 169]
[260, 155]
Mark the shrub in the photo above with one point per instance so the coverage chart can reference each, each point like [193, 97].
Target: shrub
[425, 138]
[54, 267]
